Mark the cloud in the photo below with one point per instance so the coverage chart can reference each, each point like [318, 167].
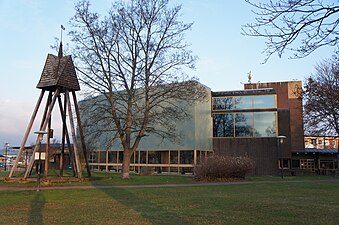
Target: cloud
[14, 119]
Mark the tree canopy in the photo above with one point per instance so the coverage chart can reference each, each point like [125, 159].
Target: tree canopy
[321, 99]
[132, 62]
[297, 26]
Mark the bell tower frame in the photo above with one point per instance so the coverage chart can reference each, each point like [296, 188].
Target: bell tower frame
[59, 79]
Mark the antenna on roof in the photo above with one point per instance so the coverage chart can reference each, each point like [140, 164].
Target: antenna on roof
[249, 76]
[62, 28]
[60, 47]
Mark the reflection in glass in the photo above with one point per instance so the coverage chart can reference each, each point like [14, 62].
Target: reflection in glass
[223, 125]
[186, 157]
[243, 124]
[143, 157]
[264, 102]
[154, 157]
[243, 102]
[112, 157]
[222, 103]
[174, 157]
[265, 124]
[121, 156]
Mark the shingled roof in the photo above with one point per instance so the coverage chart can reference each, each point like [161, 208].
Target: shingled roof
[59, 71]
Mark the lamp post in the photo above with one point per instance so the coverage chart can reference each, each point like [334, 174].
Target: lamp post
[280, 141]
[5, 156]
[40, 136]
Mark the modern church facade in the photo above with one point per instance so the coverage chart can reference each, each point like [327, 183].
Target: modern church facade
[264, 121]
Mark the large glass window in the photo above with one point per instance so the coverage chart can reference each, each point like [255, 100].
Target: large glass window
[243, 102]
[244, 116]
[264, 124]
[244, 124]
[154, 157]
[223, 125]
[186, 157]
[222, 103]
[264, 102]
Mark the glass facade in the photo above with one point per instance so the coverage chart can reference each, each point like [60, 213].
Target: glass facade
[247, 124]
[244, 116]
[244, 102]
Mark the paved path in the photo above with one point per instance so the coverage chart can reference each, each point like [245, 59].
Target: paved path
[4, 188]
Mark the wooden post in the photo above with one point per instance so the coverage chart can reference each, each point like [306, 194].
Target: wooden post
[63, 134]
[195, 157]
[48, 139]
[28, 130]
[106, 161]
[75, 148]
[81, 133]
[50, 108]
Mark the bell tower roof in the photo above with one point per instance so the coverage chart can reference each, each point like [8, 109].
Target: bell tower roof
[59, 71]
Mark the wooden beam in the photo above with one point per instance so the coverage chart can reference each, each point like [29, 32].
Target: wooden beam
[75, 148]
[48, 139]
[65, 135]
[38, 141]
[81, 133]
[28, 130]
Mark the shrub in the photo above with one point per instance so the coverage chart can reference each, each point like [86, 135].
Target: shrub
[146, 171]
[218, 167]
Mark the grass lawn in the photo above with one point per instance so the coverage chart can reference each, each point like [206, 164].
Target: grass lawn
[262, 203]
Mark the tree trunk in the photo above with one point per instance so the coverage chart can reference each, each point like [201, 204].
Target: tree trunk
[126, 164]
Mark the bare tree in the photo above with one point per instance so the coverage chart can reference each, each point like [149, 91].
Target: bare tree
[321, 99]
[132, 63]
[299, 26]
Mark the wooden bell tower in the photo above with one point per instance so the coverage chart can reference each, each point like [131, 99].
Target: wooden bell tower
[59, 79]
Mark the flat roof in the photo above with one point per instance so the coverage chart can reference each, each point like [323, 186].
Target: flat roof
[326, 150]
[264, 91]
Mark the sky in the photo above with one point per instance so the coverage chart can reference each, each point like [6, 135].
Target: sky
[29, 28]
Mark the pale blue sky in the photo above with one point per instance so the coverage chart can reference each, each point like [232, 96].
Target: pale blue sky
[28, 28]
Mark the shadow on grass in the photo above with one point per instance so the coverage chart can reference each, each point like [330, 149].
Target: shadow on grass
[145, 206]
[37, 206]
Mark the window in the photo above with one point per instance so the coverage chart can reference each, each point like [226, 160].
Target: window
[244, 124]
[243, 102]
[154, 157]
[247, 124]
[223, 125]
[222, 103]
[264, 102]
[244, 116]
[295, 163]
[186, 157]
[264, 124]
[307, 164]
[174, 157]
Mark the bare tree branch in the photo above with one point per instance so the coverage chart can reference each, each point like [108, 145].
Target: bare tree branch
[321, 99]
[298, 26]
[131, 61]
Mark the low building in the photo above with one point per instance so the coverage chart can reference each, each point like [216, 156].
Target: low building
[264, 121]
[319, 156]
[161, 155]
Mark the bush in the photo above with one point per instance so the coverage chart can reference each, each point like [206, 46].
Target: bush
[146, 171]
[218, 167]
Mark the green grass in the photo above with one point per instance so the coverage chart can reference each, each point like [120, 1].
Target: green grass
[105, 179]
[265, 203]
